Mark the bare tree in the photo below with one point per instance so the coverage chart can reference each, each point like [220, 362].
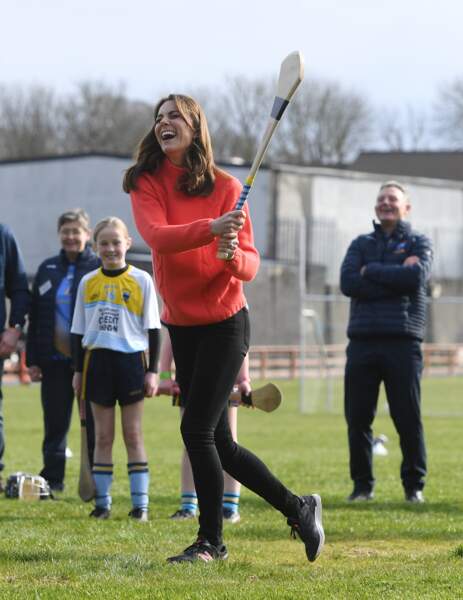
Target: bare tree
[325, 124]
[448, 113]
[28, 122]
[405, 130]
[100, 118]
[237, 115]
[245, 106]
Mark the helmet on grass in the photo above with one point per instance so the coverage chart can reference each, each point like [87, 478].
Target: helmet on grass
[27, 487]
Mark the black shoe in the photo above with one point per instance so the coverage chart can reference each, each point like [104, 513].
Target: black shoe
[139, 514]
[182, 514]
[100, 513]
[308, 525]
[414, 496]
[200, 550]
[359, 495]
[56, 487]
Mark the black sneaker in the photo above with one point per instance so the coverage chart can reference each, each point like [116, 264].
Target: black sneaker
[56, 487]
[200, 550]
[100, 513]
[182, 514]
[308, 525]
[414, 496]
[360, 495]
[139, 514]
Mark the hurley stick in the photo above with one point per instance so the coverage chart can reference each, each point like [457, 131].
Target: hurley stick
[266, 398]
[86, 488]
[291, 75]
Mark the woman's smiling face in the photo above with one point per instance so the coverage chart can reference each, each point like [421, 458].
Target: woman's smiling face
[172, 132]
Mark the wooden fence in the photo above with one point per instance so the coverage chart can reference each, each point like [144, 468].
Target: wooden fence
[283, 362]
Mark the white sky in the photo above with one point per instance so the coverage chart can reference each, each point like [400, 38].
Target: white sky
[397, 52]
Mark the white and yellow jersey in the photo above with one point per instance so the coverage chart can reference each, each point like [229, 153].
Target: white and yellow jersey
[115, 312]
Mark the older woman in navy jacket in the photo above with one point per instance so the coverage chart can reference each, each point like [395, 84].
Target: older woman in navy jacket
[48, 352]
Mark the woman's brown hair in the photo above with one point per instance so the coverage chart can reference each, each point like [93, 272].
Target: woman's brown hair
[199, 176]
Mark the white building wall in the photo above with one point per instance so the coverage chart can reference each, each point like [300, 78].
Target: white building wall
[343, 201]
[34, 193]
[437, 211]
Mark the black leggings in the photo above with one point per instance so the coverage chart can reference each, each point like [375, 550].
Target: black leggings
[208, 359]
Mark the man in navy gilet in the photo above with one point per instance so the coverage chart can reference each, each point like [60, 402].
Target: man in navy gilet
[385, 273]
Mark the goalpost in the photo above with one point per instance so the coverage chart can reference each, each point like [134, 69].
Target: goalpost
[316, 385]
[316, 388]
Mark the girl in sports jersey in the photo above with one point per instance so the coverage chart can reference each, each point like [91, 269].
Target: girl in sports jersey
[115, 320]
[184, 209]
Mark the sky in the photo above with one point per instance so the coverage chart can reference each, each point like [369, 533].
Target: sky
[397, 52]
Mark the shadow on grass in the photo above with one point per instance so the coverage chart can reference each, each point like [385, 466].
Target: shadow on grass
[21, 518]
[406, 507]
[394, 535]
[129, 564]
[262, 532]
[31, 556]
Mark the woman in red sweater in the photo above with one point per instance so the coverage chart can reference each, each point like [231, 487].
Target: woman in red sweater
[183, 208]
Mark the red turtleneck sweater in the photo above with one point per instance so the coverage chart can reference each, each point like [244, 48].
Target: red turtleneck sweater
[196, 287]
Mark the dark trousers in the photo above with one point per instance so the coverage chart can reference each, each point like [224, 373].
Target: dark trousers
[57, 401]
[2, 435]
[208, 359]
[399, 364]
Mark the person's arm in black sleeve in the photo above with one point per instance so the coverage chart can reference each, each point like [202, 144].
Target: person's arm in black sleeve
[77, 352]
[352, 282]
[16, 287]
[154, 340]
[406, 278]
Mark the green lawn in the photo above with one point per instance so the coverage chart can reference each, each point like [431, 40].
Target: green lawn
[385, 549]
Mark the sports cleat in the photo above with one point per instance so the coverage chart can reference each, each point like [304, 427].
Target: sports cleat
[308, 525]
[139, 514]
[201, 550]
[231, 517]
[182, 514]
[100, 513]
[360, 495]
[414, 496]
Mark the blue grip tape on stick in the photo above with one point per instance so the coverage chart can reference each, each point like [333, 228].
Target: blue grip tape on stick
[244, 193]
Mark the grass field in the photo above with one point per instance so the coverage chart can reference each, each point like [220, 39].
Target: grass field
[385, 549]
